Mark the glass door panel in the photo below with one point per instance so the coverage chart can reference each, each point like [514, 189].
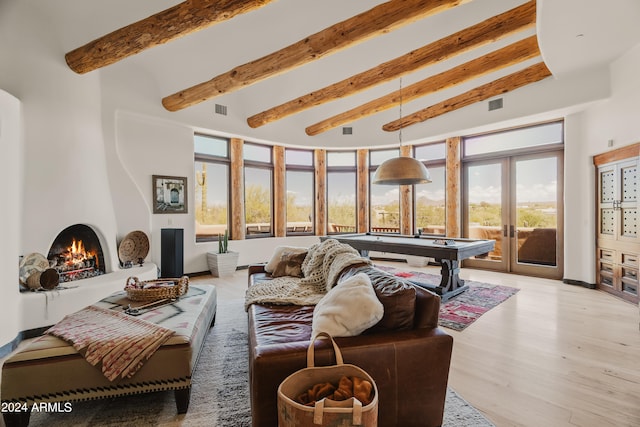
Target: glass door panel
[536, 211]
[485, 211]
[537, 208]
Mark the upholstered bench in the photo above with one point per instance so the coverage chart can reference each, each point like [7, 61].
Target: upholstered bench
[51, 370]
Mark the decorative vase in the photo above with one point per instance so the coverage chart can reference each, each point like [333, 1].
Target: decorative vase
[223, 264]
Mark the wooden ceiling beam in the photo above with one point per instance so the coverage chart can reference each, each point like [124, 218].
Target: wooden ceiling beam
[177, 21]
[381, 19]
[494, 61]
[506, 24]
[505, 84]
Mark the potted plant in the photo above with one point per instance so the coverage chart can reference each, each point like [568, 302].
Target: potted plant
[223, 262]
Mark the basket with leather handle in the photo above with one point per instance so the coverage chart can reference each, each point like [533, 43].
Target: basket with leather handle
[326, 411]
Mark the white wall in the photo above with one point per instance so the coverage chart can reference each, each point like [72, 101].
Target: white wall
[65, 172]
[588, 134]
[616, 119]
[10, 174]
[579, 226]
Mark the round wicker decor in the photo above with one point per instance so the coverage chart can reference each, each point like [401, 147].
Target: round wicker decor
[30, 264]
[134, 247]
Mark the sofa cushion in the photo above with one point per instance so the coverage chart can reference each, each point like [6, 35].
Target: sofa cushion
[290, 264]
[280, 324]
[348, 309]
[277, 255]
[398, 297]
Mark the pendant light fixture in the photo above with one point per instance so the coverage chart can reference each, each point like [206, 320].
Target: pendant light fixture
[401, 170]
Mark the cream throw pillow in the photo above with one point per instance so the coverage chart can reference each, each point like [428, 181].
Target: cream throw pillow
[277, 255]
[348, 309]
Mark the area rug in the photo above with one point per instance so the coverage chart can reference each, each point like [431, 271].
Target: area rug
[219, 394]
[464, 309]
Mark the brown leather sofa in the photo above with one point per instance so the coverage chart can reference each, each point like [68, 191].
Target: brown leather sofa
[406, 353]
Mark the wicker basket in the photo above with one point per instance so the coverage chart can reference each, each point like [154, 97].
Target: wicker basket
[145, 291]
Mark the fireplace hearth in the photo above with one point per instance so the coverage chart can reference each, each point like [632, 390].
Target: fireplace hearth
[76, 253]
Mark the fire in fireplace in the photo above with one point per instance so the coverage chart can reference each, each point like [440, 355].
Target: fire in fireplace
[76, 254]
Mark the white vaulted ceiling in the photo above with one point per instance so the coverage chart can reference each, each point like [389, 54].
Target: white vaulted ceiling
[577, 40]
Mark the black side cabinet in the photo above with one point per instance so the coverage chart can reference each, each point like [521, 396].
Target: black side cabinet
[172, 252]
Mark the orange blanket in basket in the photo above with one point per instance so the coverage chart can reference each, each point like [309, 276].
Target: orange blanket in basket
[118, 341]
[347, 387]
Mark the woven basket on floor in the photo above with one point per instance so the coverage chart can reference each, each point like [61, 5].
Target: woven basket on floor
[175, 288]
[325, 412]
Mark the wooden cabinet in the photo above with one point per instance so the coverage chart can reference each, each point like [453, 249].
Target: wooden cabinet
[617, 205]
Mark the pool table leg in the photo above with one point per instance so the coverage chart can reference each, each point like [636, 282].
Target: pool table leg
[450, 284]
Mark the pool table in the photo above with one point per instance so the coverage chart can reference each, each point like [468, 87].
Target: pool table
[447, 252]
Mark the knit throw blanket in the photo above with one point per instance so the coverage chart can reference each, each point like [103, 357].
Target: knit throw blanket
[321, 269]
[118, 341]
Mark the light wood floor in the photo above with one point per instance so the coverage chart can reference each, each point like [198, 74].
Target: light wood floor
[553, 355]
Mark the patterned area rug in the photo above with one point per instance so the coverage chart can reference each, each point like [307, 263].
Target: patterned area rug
[219, 394]
[464, 309]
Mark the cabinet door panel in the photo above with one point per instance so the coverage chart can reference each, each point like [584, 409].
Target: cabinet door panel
[626, 202]
[628, 221]
[607, 196]
[629, 183]
[607, 185]
[607, 222]
[617, 227]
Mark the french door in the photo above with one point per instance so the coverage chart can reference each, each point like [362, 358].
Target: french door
[517, 201]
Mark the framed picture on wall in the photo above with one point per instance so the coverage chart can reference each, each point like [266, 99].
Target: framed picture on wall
[169, 194]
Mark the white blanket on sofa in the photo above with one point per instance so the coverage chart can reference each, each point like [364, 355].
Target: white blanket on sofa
[326, 260]
[321, 269]
[348, 309]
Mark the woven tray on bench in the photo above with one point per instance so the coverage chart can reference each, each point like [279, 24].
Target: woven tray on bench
[152, 290]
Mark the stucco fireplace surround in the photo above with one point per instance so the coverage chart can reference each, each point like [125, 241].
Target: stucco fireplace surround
[79, 253]
[74, 158]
